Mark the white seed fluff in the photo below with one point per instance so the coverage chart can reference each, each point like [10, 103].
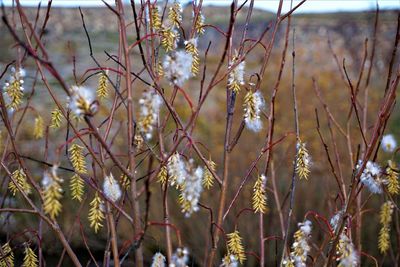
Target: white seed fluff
[230, 261]
[300, 246]
[192, 190]
[180, 258]
[177, 67]
[158, 260]
[176, 170]
[334, 222]
[150, 104]
[371, 177]
[252, 111]
[80, 96]
[348, 254]
[388, 143]
[111, 188]
[236, 75]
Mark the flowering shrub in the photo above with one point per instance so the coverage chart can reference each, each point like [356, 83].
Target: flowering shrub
[126, 165]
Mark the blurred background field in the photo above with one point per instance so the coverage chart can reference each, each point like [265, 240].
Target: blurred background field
[67, 45]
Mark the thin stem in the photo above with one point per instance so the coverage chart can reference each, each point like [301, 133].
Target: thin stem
[131, 148]
[230, 106]
[297, 130]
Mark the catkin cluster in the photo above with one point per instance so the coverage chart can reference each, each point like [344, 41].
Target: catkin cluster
[346, 253]
[19, 182]
[259, 195]
[178, 65]
[235, 246]
[52, 192]
[96, 213]
[13, 89]
[385, 220]
[303, 161]
[188, 179]
[236, 74]
[393, 184]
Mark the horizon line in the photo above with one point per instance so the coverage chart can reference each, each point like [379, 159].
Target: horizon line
[339, 6]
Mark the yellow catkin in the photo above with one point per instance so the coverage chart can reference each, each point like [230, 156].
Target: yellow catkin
[298, 251]
[162, 175]
[145, 122]
[235, 86]
[102, 86]
[208, 178]
[56, 118]
[235, 78]
[385, 219]
[235, 246]
[14, 90]
[175, 14]
[125, 181]
[384, 240]
[302, 161]
[7, 258]
[30, 258]
[190, 47]
[96, 213]
[195, 64]
[287, 263]
[186, 205]
[393, 184]
[155, 18]
[77, 187]
[199, 24]
[160, 70]
[82, 104]
[346, 254]
[38, 129]
[168, 38]
[138, 141]
[51, 199]
[15, 95]
[77, 158]
[250, 106]
[259, 195]
[19, 177]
